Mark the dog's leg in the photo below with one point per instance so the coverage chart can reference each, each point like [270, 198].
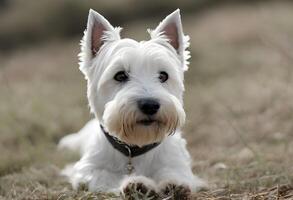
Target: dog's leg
[177, 183]
[174, 185]
[95, 180]
[138, 187]
[175, 191]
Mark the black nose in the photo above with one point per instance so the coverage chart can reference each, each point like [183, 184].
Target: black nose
[148, 106]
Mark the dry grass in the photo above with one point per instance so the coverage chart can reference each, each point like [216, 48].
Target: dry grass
[238, 101]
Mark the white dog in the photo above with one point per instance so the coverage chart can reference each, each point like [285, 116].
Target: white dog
[135, 90]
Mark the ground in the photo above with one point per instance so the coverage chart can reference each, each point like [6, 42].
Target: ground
[238, 102]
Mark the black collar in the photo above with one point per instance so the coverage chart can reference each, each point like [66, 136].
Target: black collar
[125, 149]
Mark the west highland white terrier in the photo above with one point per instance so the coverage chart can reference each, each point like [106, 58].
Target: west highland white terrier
[135, 91]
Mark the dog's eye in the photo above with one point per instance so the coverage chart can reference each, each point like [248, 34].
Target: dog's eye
[163, 77]
[121, 76]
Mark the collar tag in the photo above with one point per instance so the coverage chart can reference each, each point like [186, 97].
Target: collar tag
[129, 167]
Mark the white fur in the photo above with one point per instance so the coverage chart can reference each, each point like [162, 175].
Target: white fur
[102, 167]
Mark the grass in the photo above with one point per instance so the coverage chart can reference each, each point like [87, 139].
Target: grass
[238, 102]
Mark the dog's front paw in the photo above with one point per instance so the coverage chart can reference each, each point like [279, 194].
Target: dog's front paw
[173, 191]
[138, 190]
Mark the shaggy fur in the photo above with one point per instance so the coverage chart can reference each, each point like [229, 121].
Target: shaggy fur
[114, 104]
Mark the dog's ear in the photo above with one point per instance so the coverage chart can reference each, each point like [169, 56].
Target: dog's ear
[171, 29]
[98, 30]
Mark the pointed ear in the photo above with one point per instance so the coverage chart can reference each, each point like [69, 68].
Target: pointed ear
[171, 27]
[98, 32]
[97, 28]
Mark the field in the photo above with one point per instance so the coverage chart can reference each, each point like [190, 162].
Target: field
[239, 104]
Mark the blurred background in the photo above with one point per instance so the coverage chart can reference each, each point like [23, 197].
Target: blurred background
[238, 91]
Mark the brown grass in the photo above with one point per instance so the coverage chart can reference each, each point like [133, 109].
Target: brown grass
[238, 103]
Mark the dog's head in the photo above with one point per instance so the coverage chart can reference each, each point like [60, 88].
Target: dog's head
[135, 88]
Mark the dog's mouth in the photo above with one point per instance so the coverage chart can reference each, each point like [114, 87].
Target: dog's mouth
[146, 122]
